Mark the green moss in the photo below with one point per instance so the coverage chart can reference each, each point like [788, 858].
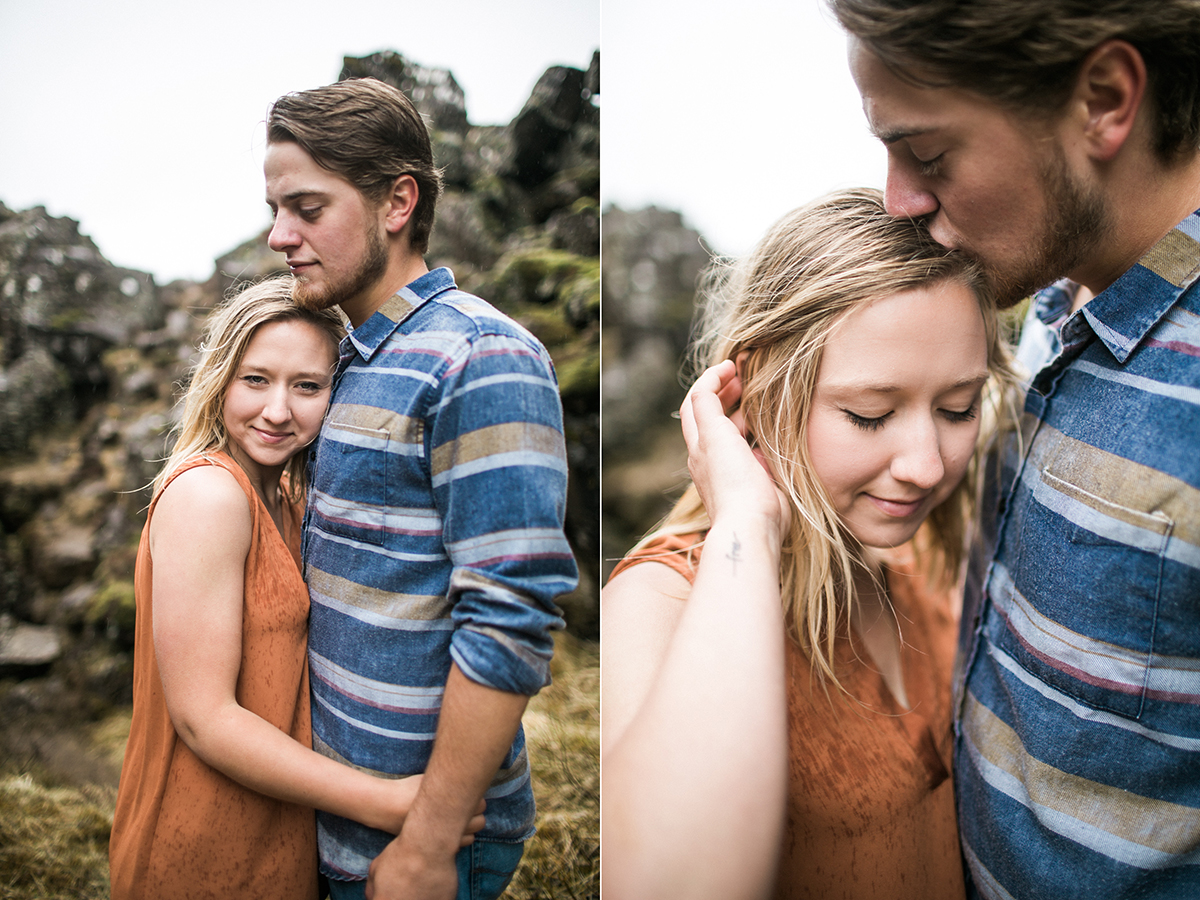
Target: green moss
[579, 371]
[535, 276]
[547, 324]
[67, 319]
[114, 608]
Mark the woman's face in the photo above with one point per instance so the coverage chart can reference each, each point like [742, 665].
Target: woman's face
[895, 412]
[277, 398]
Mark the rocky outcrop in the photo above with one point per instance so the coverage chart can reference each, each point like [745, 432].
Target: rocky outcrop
[92, 356]
[61, 306]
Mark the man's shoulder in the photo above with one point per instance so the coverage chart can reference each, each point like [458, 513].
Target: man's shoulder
[472, 316]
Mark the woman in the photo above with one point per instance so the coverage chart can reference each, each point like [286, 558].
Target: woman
[776, 674]
[219, 782]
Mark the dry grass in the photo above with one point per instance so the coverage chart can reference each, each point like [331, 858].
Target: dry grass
[562, 728]
[54, 840]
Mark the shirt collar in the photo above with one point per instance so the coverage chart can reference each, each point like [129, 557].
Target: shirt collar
[1123, 314]
[370, 335]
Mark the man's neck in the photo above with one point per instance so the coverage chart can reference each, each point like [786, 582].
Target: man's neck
[1143, 210]
[402, 270]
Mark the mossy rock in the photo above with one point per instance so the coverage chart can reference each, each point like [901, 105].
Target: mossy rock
[578, 370]
[542, 275]
[115, 610]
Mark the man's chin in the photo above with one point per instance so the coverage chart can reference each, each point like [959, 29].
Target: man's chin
[1010, 288]
[308, 296]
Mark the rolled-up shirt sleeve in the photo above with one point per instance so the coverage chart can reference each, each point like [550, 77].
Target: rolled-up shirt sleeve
[499, 472]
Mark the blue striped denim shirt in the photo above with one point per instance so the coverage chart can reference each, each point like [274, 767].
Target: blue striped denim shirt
[434, 533]
[1077, 753]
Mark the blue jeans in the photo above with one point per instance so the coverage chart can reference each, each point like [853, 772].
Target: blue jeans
[484, 870]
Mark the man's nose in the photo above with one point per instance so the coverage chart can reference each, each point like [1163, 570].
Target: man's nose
[904, 195]
[283, 234]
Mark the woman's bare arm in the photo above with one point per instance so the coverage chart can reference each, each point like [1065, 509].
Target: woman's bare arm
[199, 536]
[694, 755]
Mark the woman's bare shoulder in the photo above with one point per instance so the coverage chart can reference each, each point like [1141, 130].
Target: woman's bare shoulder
[199, 499]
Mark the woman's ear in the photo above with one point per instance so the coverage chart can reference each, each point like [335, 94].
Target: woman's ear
[740, 362]
[736, 413]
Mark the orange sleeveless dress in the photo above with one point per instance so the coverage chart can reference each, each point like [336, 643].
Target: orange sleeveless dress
[870, 799]
[182, 829]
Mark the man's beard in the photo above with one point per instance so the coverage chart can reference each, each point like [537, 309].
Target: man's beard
[1075, 221]
[331, 292]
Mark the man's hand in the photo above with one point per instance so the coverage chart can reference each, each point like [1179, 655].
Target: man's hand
[404, 872]
[476, 726]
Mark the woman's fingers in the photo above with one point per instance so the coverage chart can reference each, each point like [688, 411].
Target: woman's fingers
[721, 459]
[706, 391]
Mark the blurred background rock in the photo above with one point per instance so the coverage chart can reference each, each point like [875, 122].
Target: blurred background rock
[92, 356]
[652, 264]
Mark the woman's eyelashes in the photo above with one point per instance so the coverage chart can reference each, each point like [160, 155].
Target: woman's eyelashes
[867, 423]
[874, 423]
[966, 415]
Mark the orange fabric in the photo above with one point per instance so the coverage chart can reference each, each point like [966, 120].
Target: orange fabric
[871, 803]
[182, 829]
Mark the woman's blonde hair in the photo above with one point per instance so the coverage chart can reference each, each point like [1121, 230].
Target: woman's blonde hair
[227, 334]
[779, 305]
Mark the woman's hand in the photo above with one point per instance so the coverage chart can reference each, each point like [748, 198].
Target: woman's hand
[731, 476]
[397, 797]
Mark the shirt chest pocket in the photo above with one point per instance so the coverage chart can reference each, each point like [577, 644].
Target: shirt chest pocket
[359, 476]
[1085, 591]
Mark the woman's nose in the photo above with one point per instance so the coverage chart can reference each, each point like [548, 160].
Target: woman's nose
[277, 408]
[918, 460]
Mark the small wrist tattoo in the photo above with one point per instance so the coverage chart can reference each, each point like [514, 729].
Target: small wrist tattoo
[735, 553]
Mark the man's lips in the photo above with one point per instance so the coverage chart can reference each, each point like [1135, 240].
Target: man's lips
[300, 265]
[900, 509]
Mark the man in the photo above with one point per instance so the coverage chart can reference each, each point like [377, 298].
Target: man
[1054, 138]
[433, 542]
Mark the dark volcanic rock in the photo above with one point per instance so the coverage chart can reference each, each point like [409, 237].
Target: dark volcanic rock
[61, 306]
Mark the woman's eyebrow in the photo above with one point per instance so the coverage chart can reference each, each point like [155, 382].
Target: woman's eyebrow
[884, 387]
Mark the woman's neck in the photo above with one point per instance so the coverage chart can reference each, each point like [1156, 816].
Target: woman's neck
[874, 621]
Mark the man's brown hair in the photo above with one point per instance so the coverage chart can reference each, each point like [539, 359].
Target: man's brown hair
[369, 133]
[1026, 54]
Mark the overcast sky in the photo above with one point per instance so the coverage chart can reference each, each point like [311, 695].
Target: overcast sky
[142, 119]
[730, 112]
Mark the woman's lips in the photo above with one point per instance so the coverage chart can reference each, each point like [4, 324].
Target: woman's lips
[900, 509]
[273, 437]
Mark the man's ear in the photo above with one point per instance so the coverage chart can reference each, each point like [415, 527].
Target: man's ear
[401, 203]
[1110, 90]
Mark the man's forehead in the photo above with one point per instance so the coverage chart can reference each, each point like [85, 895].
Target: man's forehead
[898, 108]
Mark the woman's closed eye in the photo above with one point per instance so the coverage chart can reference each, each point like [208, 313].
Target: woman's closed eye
[957, 416]
[866, 423]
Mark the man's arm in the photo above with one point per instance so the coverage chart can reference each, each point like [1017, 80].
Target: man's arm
[476, 727]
